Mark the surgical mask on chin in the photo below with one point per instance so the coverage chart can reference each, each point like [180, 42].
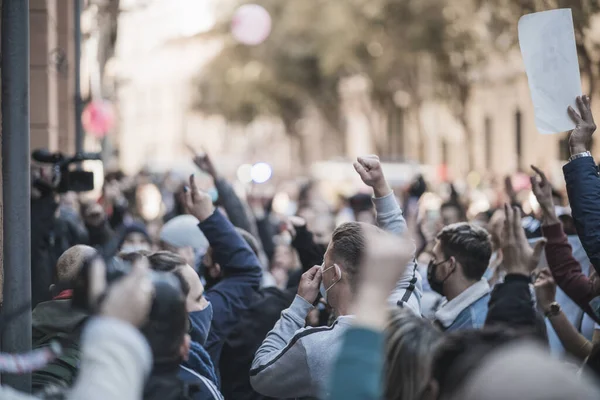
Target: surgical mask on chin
[200, 323]
[127, 248]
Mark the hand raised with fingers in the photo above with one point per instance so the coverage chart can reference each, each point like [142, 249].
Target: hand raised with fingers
[542, 190]
[197, 203]
[581, 137]
[519, 257]
[545, 289]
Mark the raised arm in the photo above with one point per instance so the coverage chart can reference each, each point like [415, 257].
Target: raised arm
[583, 183]
[240, 268]
[233, 205]
[389, 214]
[572, 341]
[511, 302]
[408, 290]
[565, 269]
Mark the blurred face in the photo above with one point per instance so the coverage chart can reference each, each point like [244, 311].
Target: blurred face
[450, 215]
[135, 241]
[283, 257]
[195, 300]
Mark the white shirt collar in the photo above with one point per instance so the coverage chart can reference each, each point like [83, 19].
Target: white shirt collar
[449, 310]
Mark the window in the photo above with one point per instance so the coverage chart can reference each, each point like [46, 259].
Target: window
[519, 139]
[488, 142]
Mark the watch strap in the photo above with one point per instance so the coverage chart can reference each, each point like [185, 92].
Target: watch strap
[580, 155]
[553, 310]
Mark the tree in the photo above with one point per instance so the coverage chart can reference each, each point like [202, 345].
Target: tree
[420, 48]
[504, 16]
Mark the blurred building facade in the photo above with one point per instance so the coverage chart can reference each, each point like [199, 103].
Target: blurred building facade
[159, 55]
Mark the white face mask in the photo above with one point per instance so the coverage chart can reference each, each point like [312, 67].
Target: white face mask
[322, 289]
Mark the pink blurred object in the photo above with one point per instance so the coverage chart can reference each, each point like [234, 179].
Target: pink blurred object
[520, 181]
[251, 24]
[98, 118]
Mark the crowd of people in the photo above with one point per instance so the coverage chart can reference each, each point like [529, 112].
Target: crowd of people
[218, 296]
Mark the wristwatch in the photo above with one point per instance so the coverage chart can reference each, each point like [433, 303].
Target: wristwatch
[580, 155]
[553, 310]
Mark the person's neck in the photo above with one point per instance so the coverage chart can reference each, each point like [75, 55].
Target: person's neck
[343, 303]
[453, 290]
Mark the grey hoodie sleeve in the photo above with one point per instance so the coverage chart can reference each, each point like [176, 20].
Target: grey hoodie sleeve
[280, 367]
[389, 214]
[409, 290]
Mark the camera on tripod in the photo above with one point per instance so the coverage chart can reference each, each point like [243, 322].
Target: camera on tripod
[66, 179]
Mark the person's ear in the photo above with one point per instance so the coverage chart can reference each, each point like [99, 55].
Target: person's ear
[338, 272]
[52, 288]
[184, 350]
[431, 392]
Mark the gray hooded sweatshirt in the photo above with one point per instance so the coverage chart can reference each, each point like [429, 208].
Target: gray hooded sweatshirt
[294, 362]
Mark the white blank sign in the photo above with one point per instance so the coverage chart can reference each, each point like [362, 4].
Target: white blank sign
[547, 41]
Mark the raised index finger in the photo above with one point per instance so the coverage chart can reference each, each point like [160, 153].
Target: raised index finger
[540, 173]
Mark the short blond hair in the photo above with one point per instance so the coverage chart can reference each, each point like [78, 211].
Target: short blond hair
[71, 261]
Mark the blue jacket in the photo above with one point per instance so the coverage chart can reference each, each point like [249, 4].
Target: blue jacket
[466, 311]
[583, 188]
[242, 275]
[472, 317]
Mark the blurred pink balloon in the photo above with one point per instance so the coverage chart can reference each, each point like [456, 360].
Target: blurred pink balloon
[251, 24]
[98, 118]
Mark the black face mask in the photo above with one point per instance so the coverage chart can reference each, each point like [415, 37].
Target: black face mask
[436, 285]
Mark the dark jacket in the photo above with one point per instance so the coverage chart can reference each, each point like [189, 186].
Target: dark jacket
[241, 279]
[309, 252]
[235, 208]
[243, 342]
[583, 188]
[566, 269]
[174, 382]
[511, 304]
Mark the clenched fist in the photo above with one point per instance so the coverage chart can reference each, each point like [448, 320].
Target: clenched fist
[371, 173]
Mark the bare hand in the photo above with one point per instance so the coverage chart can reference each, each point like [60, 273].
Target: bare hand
[204, 162]
[130, 298]
[519, 257]
[309, 284]
[545, 289]
[198, 203]
[371, 173]
[581, 137]
[542, 190]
